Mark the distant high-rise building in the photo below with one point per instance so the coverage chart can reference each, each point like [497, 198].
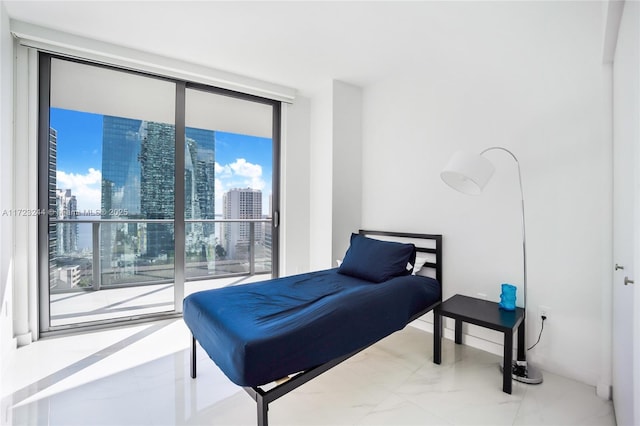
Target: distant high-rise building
[69, 276]
[65, 270]
[121, 165]
[199, 175]
[52, 205]
[138, 176]
[157, 184]
[241, 204]
[120, 181]
[67, 233]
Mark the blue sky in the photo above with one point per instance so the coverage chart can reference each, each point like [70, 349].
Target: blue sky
[79, 140]
[241, 161]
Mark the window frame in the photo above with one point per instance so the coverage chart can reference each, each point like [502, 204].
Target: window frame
[44, 98]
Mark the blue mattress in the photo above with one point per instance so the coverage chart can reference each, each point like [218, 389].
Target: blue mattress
[257, 333]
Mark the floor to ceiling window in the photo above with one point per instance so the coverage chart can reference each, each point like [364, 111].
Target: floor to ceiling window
[147, 183]
[235, 137]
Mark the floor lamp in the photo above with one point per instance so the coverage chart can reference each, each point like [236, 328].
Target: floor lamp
[469, 173]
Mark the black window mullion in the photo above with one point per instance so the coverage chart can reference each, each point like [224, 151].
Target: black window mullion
[44, 89]
[275, 193]
[179, 197]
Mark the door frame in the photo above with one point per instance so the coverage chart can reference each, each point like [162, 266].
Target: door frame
[621, 13]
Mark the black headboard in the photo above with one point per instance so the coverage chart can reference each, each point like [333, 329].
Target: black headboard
[429, 244]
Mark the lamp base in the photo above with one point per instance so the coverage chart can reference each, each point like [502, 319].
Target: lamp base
[524, 372]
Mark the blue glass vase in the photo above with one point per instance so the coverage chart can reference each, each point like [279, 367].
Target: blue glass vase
[508, 297]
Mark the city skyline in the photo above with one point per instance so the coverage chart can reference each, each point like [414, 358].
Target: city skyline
[241, 161]
[132, 165]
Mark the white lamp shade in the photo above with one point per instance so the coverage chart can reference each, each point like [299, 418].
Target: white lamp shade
[467, 172]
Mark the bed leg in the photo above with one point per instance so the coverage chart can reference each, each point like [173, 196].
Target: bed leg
[193, 357]
[263, 407]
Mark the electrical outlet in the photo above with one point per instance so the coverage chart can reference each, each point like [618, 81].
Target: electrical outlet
[482, 296]
[543, 311]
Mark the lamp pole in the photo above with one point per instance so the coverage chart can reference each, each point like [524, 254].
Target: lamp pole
[521, 371]
[469, 173]
[524, 234]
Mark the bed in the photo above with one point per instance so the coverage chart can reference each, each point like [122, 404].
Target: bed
[273, 336]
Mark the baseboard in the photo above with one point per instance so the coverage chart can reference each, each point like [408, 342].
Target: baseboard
[23, 339]
[604, 391]
[422, 325]
[467, 339]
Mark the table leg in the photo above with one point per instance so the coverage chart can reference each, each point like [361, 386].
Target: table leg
[508, 360]
[522, 355]
[458, 331]
[437, 336]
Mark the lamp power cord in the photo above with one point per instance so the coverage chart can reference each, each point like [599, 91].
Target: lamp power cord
[539, 335]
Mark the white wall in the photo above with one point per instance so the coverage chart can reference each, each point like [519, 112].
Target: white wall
[320, 175]
[6, 185]
[347, 165]
[335, 171]
[295, 194]
[536, 87]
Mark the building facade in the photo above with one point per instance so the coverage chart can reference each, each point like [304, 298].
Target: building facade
[241, 204]
[138, 181]
[200, 238]
[67, 233]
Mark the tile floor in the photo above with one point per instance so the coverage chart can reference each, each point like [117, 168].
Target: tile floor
[139, 375]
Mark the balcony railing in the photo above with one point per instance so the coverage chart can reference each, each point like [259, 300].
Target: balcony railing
[94, 254]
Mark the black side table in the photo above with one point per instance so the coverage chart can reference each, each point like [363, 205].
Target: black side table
[485, 314]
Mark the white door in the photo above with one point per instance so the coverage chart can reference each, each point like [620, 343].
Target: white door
[626, 131]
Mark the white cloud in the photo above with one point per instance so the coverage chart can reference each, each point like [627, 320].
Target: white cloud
[258, 183]
[223, 171]
[219, 191]
[239, 174]
[86, 187]
[242, 168]
[252, 174]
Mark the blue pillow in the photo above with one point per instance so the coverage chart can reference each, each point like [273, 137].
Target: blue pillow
[375, 260]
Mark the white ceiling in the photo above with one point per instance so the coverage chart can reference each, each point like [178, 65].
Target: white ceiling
[305, 45]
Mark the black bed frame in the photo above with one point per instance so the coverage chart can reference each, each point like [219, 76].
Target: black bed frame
[264, 398]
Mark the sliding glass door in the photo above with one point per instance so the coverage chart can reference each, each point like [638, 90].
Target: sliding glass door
[235, 137]
[139, 183]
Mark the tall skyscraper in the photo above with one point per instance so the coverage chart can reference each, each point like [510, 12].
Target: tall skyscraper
[157, 184]
[200, 170]
[241, 204]
[52, 205]
[120, 186]
[67, 233]
[121, 165]
[200, 193]
[138, 168]
[64, 266]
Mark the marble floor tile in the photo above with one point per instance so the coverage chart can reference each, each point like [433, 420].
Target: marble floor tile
[139, 376]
